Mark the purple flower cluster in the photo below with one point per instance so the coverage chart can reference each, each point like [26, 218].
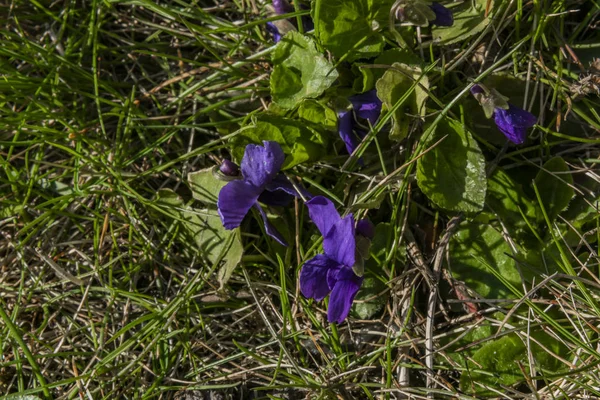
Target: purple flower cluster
[262, 182]
[338, 271]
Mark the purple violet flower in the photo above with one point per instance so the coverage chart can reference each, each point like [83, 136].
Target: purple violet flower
[366, 106]
[511, 120]
[272, 29]
[282, 7]
[332, 272]
[260, 181]
[514, 122]
[281, 27]
[443, 16]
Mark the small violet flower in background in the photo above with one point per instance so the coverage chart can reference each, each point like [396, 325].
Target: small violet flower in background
[334, 271]
[422, 13]
[283, 26]
[443, 16]
[511, 120]
[366, 106]
[260, 181]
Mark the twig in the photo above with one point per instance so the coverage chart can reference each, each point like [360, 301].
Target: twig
[432, 301]
[412, 248]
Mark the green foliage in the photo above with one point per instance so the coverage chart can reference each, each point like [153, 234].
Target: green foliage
[463, 345]
[474, 249]
[417, 12]
[469, 20]
[507, 200]
[204, 229]
[370, 300]
[350, 28]
[393, 87]
[205, 185]
[299, 141]
[300, 71]
[452, 174]
[498, 363]
[584, 208]
[318, 114]
[373, 295]
[365, 78]
[554, 183]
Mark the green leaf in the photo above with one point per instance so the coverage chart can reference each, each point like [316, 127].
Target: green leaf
[11, 210]
[452, 174]
[496, 363]
[205, 185]
[462, 346]
[380, 245]
[584, 207]
[393, 86]
[299, 141]
[507, 200]
[391, 56]
[554, 182]
[417, 13]
[473, 250]
[318, 114]
[370, 300]
[365, 80]
[469, 20]
[300, 71]
[233, 258]
[203, 229]
[500, 360]
[350, 27]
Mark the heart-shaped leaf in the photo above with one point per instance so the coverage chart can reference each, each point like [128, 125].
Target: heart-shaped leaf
[452, 174]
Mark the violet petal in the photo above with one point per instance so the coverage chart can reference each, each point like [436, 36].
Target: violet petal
[282, 7]
[367, 105]
[345, 127]
[346, 286]
[339, 243]
[323, 213]
[282, 183]
[261, 164]
[514, 122]
[272, 29]
[313, 277]
[477, 89]
[443, 16]
[269, 228]
[235, 200]
[365, 228]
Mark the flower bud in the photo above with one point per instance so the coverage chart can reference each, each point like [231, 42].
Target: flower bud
[229, 168]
